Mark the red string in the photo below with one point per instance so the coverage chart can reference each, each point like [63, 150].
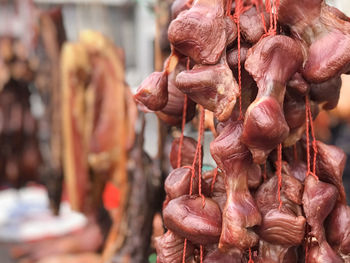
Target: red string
[228, 7]
[197, 154]
[279, 172]
[259, 4]
[184, 112]
[201, 253]
[199, 145]
[307, 120]
[214, 179]
[250, 256]
[314, 145]
[184, 251]
[265, 172]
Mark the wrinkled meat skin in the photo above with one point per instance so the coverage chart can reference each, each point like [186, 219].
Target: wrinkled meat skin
[201, 32]
[240, 211]
[338, 228]
[319, 199]
[282, 228]
[213, 87]
[170, 246]
[325, 33]
[330, 165]
[264, 125]
[251, 25]
[286, 226]
[188, 151]
[153, 91]
[187, 217]
[327, 92]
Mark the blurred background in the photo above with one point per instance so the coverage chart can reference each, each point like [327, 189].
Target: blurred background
[37, 223]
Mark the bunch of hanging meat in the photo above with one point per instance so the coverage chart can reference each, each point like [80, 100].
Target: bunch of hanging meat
[265, 71]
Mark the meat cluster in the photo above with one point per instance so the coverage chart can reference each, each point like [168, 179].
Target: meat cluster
[265, 71]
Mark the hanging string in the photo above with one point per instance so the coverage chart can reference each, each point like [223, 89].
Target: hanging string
[228, 7]
[307, 120]
[250, 256]
[314, 145]
[199, 145]
[259, 7]
[198, 154]
[265, 172]
[279, 172]
[184, 251]
[184, 112]
[214, 180]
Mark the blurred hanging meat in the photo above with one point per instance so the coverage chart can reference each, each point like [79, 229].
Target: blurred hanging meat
[47, 81]
[94, 139]
[19, 155]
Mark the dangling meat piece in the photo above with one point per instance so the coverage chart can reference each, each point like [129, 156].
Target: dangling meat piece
[202, 32]
[169, 247]
[327, 92]
[232, 56]
[338, 228]
[319, 199]
[330, 165]
[190, 218]
[172, 112]
[212, 86]
[272, 253]
[153, 91]
[325, 33]
[188, 151]
[271, 62]
[283, 226]
[322, 253]
[178, 182]
[298, 85]
[251, 25]
[240, 212]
